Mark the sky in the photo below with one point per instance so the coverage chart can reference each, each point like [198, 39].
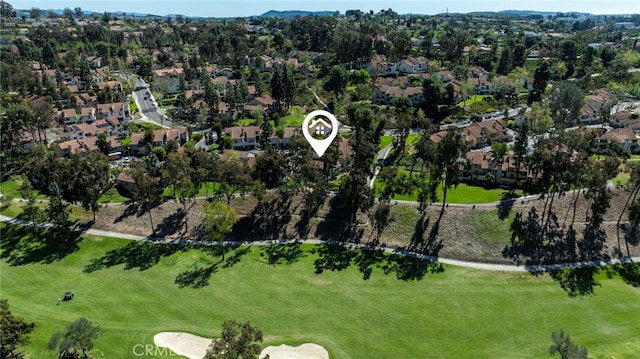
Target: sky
[227, 8]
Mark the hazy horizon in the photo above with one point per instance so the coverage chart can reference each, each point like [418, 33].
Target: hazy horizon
[242, 8]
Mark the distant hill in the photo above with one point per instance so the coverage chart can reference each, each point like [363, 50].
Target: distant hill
[288, 14]
[543, 13]
[293, 13]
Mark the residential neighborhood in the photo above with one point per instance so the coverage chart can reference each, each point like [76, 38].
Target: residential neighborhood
[479, 172]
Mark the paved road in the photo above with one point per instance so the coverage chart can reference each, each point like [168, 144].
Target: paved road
[475, 265]
[147, 105]
[382, 155]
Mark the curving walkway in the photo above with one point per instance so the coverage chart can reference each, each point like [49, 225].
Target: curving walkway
[455, 262]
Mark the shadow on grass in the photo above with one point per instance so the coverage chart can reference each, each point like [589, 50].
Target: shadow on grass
[629, 272]
[576, 281]
[135, 254]
[23, 245]
[196, 278]
[411, 268]
[338, 257]
[282, 253]
[540, 240]
[199, 276]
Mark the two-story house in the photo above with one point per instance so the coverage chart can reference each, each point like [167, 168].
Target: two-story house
[243, 137]
[163, 137]
[412, 65]
[119, 110]
[68, 116]
[87, 114]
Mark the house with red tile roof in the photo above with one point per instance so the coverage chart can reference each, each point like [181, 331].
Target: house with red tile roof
[600, 100]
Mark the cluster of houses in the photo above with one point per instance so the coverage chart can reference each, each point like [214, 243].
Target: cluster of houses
[480, 134]
[86, 137]
[483, 167]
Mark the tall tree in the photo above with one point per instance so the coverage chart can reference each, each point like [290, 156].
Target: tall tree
[452, 42]
[404, 116]
[520, 146]
[218, 220]
[401, 45]
[434, 95]
[35, 13]
[540, 80]
[231, 175]
[147, 190]
[569, 55]
[356, 193]
[15, 332]
[16, 118]
[176, 163]
[58, 213]
[541, 118]
[79, 336]
[598, 193]
[90, 183]
[447, 168]
[282, 87]
[506, 62]
[6, 10]
[270, 167]
[30, 210]
[338, 80]
[565, 102]
[238, 340]
[43, 116]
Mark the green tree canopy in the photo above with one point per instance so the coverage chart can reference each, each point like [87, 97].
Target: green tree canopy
[238, 340]
[563, 346]
[79, 336]
[15, 332]
[565, 102]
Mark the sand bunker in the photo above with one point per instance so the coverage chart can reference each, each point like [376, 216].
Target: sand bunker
[304, 351]
[189, 345]
[195, 347]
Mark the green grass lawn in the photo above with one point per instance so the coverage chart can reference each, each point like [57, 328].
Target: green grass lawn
[464, 193]
[129, 289]
[11, 188]
[208, 188]
[411, 139]
[245, 122]
[112, 196]
[472, 99]
[385, 141]
[621, 178]
[294, 119]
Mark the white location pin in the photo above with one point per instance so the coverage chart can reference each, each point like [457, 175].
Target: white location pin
[320, 127]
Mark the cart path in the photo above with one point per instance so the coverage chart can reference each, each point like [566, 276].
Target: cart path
[455, 262]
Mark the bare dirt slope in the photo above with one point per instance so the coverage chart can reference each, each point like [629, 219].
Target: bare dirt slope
[484, 233]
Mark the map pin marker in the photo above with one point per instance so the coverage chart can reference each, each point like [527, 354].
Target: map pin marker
[320, 127]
